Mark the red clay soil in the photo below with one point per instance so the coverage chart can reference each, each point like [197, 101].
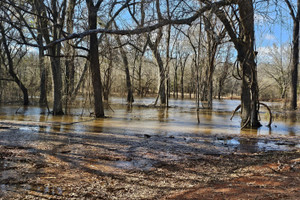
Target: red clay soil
[270, 181]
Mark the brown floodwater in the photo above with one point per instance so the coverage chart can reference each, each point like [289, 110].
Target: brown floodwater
[178, 121]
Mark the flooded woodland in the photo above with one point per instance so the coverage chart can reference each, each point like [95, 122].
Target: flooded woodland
[146, 152]
[156, 99]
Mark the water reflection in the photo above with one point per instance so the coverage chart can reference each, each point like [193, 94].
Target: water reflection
[178, 121]
[247, 145]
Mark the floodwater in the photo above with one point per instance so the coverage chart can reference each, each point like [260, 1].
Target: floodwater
[179, 121]
[138, 138]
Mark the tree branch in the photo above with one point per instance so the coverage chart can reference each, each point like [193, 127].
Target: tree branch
[161, 23]
[292, 13]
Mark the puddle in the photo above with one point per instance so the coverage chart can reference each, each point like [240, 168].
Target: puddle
[144, 165]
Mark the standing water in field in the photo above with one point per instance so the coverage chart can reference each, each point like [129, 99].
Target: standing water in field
[141, 119]
[180, 119]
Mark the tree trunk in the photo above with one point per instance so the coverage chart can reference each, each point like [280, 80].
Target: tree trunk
[295, 59]
[224, 73]
[181, 83]
[54, 51]
[246, 56]
[140, 78]
[162, 90]
[130, 98]
[183, 60]
[43, 89]
[244, 44]
[57, 79]
[69, 52]
[211, 68]
[94, 60]
[175, 94]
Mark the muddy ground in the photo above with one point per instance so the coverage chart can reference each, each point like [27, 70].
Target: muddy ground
[63, 163]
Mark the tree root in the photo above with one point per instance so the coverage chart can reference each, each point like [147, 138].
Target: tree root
[263, 104]
[270, 113]
[245, 124]
[235, 110]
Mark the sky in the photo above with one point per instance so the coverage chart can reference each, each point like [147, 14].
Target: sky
[276, 30]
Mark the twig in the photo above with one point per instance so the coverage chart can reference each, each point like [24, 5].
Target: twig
[236, 109]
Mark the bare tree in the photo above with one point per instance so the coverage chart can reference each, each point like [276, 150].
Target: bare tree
[154, 47]
[243, 40]
[69, 53]
[130, 98]
[175, 82]
[94, 58]
[56, 18]
[295, 14]
[215, 34]
[182, 60]
[224, 72]
[107, 76]
[278, 69]
[11, 65]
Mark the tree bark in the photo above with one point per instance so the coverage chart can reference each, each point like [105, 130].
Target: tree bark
[130, 98]
[162, 90]
[108, 71]
[54, 50]
[55, 53]
[57, 79]
[175, 94]
[43, 83]
[94, 59]
[69, 52]
[246, 56]
[181, 83]
[295, 59]
[244, 44]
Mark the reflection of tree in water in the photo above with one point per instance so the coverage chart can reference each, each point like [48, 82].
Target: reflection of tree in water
[292, 119]
[208, 115]
[162, 114]
[248, 144]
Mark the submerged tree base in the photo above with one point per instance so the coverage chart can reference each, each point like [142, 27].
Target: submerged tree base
[256, 123]
[58, 113]
[248, 124]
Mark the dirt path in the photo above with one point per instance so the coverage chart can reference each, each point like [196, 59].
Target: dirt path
[64, 163]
